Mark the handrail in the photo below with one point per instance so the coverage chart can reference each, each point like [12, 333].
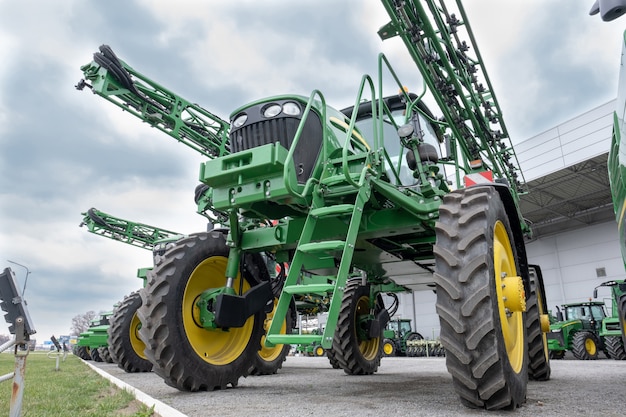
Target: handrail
[296, 139]
[344, 151]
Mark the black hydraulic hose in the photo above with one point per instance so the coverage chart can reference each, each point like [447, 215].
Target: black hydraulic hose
[107, 59]
[91, 213]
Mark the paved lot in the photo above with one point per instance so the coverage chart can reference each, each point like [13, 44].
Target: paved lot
[402, 387]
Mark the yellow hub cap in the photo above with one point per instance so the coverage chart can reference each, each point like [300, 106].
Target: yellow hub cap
[217, 347]
[387, 348]
[590, 347]
[138, 345]
[511, 297]
[368, 347]
[271, 353]
[319, 351]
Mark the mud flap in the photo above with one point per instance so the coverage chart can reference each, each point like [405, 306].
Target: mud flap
[233, 310]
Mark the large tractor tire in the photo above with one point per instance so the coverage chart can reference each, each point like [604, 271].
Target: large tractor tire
[480, 300]
[621, 306]
[95, 355]
[270, 360]
[105, 354]
[538, 353]
[187, 356]
[318, 351]
[126, 348]
[585, 346]
[615, 347]
[356, 353]
[83, 353]
[332, 359]
[557, 354]
[389, 348]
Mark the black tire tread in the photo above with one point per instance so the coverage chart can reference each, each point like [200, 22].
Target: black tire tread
[163, 333]
[615, 347]
[121, 348]
[579, 349]
[345, 343]
[469, 332]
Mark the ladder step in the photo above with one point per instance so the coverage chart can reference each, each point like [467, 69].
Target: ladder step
[308, 288]
[336, 210]
[325, 246]
[287, 339]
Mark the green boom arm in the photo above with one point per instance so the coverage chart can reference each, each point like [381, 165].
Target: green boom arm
[136, 234]
[115, 81]
[441, 45]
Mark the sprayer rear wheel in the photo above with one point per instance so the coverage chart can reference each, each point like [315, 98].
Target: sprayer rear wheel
[356, 353]
[270, 360]
[539, 355]
[483, 333]
[126, 348]
[187, 356]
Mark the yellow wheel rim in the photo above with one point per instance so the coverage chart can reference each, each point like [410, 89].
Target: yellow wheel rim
[387, 348]
[319, 351]
[590, 346]
[217, 347]
[137, 344]
[270, 354]
[511, 322]
[368, 347]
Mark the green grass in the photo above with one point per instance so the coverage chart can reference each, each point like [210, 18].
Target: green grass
[73, 390]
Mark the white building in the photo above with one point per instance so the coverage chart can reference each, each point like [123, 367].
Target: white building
[575, 240]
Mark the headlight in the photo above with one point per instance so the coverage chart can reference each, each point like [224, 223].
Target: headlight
[291, 109]
[272, 110]
[240, 120]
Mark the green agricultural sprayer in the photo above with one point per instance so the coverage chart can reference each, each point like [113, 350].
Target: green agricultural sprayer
[382, 197]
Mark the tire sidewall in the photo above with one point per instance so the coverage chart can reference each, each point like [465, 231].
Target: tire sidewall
[518, 381]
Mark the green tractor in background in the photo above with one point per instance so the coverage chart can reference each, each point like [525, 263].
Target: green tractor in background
[93, 344]
[577, 330]
[396, 336]
[612, 328]
[585, 329]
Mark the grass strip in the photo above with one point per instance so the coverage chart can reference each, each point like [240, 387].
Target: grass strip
[73, 390]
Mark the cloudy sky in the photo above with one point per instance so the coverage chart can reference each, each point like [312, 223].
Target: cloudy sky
[64, 151]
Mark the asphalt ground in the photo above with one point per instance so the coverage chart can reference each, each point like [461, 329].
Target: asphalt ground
[309, 386]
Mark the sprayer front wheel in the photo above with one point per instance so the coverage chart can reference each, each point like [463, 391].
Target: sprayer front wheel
[355, 351]
[539, 355]
[186, 355]
[126, 348]
[482, 327]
